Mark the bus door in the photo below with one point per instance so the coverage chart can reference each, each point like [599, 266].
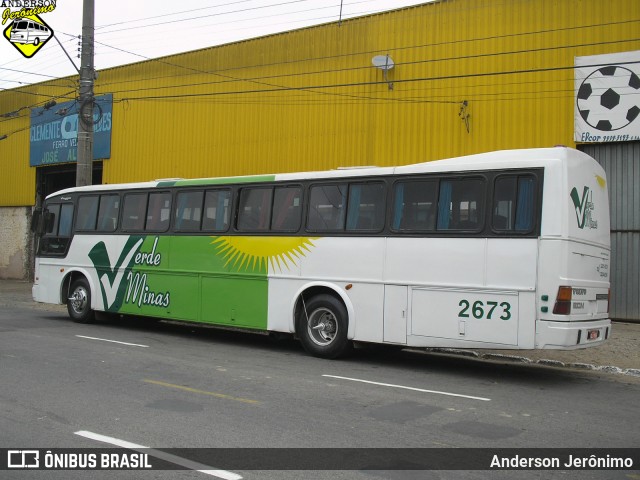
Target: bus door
[395, 313]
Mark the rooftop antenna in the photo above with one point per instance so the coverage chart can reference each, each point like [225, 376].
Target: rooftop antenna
[384, 63]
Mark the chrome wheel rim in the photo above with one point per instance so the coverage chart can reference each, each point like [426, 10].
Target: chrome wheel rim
[322, 326]
[78, 300]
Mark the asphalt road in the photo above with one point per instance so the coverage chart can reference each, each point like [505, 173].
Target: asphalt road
[168, 385]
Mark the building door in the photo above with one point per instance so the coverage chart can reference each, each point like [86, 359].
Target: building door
[57, 177]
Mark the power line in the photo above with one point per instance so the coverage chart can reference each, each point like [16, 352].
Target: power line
[170, 14]
[260, 80]
[31, 125]
[207, 16]
[361, 84]
[43, 66]
[205, 8]
[390, 50]
[28, 73]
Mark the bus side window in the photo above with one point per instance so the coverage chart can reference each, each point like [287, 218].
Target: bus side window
[58, 235]
[366, 207]
[159, 212]
[87, 212]
[460, 204]
[287, 209]
[66, 219]
[53, 220]
[217, 210]
[133, 211]
[514, 203]
[189, 211]
[327, 208]
[254, 211]
[415, 206]
[108, 213]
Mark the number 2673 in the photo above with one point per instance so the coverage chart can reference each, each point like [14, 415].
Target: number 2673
[481, 310]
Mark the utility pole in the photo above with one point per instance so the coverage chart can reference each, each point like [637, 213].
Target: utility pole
[84, 167]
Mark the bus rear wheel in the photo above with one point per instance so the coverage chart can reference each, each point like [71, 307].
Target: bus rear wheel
[322, 327]
[79, 302]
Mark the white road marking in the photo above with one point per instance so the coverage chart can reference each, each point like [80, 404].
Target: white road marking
[191, 465]
[409, 388]
[114, 341]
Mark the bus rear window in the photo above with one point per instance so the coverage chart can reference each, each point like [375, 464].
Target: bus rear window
[514, 204]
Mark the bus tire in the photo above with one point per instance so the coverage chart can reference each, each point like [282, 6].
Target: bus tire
[322, 327]
[79, 302]
[36, 42]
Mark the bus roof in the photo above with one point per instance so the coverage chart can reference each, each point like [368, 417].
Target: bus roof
[504, 159]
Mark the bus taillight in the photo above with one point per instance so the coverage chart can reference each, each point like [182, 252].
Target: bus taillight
[563, 301]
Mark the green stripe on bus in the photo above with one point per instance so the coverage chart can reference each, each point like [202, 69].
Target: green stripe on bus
[189, 278]
[217, 181]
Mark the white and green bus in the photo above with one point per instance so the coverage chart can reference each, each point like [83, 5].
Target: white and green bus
[503, 250]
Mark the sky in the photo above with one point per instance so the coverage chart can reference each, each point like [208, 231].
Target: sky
[129, 31]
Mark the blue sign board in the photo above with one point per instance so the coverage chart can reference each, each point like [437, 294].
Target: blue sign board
[54, 132]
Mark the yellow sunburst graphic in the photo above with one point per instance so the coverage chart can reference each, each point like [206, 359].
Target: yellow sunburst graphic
[256, 254]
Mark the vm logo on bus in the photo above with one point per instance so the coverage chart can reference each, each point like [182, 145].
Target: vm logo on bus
[584, 206]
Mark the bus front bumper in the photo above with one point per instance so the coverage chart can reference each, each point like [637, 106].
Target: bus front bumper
[43, 295]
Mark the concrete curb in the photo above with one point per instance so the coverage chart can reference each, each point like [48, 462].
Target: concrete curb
[634, 372]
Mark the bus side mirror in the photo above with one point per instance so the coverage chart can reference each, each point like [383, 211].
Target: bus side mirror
[36, 221]
[42, 221]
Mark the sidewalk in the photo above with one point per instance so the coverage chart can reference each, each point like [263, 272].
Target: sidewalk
[619, 355]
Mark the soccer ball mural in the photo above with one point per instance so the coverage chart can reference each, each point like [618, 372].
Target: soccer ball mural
[609, 98]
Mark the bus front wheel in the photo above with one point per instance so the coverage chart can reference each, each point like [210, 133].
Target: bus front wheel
[322, 327]
[79, 302]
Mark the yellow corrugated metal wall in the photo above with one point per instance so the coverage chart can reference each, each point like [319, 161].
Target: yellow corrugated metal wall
[310, 99]
[17, 178]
